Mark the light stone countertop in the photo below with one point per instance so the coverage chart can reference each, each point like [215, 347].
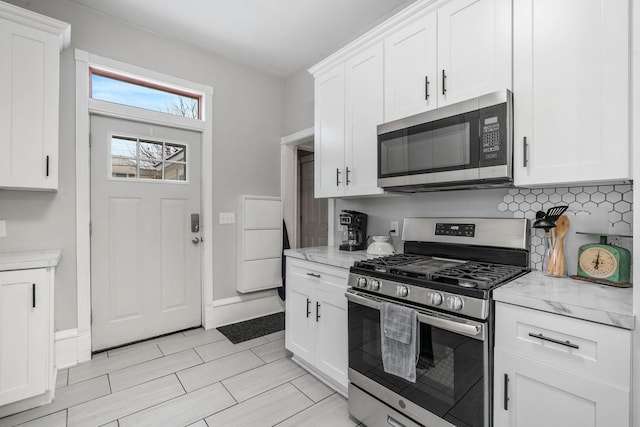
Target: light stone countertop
[24, 260]
[329, 255]
[604, 304]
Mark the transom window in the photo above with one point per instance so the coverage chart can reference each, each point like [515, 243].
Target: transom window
[145, 159]
[118, 89]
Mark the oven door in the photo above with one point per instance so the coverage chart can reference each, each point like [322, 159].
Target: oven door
[452, 385]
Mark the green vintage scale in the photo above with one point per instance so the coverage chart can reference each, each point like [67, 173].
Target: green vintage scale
[604, 263]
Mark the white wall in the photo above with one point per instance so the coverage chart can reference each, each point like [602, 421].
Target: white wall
[382, 210]
[298, 102]
[248, 117]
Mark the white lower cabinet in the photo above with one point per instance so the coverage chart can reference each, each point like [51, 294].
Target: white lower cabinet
[26, 334]
[316, 320]
[552, 370]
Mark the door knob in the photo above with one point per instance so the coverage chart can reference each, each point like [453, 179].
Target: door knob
[195, 240]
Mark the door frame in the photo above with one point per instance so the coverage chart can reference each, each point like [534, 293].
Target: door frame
[86, 106]
[289, 185]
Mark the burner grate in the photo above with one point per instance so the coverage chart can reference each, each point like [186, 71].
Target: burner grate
[478, 275]
[388, 261]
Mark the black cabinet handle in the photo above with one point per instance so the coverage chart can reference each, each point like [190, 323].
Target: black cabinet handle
[348, 180]
[506, 392]
[317, 276]
[555, 341]
[317, 311]
[47, 166]
[338, 176]
[308, 311]
[426, 88]
[33, 295]
[525, 145]
[444, 83]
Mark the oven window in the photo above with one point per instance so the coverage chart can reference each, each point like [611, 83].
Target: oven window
[449, 371]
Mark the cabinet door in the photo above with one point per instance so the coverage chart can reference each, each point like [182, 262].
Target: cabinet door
[331, 332]
[299, 319]
[329, 133]
[410, 69]
[29, 81]
[364, 104]
[24, 334]
[542, 395]
[474, 48]
[571, 86]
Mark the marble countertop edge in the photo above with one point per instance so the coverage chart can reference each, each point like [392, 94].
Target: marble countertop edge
[24, 260]
[567, 297]
[330, 255]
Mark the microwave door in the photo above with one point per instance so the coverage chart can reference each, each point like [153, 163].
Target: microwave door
[393, 154]
[450, 147]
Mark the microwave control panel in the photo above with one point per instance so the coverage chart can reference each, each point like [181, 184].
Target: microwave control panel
[490, 138]
[493, 135]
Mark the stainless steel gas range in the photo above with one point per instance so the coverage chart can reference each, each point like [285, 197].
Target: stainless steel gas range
[447, 273]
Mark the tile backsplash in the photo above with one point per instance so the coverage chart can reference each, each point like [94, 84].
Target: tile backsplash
[604, 208]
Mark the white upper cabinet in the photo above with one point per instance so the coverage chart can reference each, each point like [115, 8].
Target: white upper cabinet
[430, 54]
[455, 52]
[329, 133]
[363, 113]
[571, 91]
[348, 107]
[410, 69]
[30, 46]
[474, 49]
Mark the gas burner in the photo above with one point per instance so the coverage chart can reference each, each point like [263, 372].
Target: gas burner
[467, 284]
[477, 275]
[381, 264]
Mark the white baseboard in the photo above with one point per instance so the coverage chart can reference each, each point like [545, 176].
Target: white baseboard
[71, 348]
[236, 309]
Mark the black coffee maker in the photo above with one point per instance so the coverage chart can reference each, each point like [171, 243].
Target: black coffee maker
[355, 235]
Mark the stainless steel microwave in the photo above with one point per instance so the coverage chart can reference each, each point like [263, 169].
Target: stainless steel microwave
[463, 145]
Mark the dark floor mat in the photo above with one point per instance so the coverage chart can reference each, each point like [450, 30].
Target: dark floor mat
[254, 328]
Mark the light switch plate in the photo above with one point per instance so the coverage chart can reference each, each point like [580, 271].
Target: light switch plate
[3, 228]
[227, 218]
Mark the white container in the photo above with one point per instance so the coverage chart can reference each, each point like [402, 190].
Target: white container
[380, 246]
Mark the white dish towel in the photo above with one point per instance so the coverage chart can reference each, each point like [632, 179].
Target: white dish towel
[399, 336]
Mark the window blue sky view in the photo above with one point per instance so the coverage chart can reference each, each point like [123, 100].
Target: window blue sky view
[121, 92]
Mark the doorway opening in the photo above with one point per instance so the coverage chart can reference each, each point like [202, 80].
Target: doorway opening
[300, 208]
[313, 218]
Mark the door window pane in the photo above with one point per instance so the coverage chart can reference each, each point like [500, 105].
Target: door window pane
[140, 94]
[144, 159]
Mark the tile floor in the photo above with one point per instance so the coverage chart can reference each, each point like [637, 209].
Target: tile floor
[195, 378]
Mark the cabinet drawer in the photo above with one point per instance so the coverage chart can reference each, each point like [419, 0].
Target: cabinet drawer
[587, 348]
[316, 271]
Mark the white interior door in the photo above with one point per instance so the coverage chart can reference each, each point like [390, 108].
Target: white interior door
[145, 257]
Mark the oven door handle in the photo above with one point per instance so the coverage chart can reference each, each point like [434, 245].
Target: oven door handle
[448, 325]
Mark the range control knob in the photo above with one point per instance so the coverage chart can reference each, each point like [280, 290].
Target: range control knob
[374, 285]
[402, 291]
[434, 298]
[454, 303]
[361, 282]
